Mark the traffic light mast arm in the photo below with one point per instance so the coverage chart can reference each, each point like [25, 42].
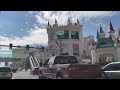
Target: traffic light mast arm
[16, 46]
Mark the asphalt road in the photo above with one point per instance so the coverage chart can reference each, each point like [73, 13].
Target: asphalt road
[24, 75]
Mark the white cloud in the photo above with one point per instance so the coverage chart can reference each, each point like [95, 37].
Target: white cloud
[62, 16]
[38, 36]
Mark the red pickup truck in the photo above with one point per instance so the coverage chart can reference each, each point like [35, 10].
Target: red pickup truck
[67, 67]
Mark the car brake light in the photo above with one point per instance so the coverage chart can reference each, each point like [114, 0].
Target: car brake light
[69, 71]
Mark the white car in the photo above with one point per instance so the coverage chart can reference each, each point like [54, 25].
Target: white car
[5, 73]
[112, 70]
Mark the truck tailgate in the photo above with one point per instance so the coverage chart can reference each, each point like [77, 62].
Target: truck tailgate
[85, 71]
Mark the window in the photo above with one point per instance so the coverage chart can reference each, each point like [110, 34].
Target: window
[5, 69]
[76, 49]
[46, 62]
[64, 53]
[74, 35]
[76, 54]
[62, 35]
[112, 67]
[65, 60]
[52, 36]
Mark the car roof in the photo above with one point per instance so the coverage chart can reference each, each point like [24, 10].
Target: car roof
[63, 55]
[114, 62]
[110, 64]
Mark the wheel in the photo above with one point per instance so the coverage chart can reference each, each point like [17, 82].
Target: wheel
[58, 77]
[41, 76]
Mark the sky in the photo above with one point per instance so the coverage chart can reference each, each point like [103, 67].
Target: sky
[29, 27]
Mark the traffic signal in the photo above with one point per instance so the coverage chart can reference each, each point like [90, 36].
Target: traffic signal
[27, 47]
[10, 46]
[42, 48]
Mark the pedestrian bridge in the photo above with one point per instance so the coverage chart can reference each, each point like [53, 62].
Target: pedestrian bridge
[35, 61]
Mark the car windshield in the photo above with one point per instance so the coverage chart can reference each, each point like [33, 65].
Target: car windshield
[65, 60]
[5, 69]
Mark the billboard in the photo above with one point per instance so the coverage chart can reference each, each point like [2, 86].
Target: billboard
[74, 35]
[19, 53]
[63, 34]
[5, 53]
[105, 43]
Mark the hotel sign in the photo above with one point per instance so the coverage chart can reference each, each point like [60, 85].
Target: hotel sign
[105, 43]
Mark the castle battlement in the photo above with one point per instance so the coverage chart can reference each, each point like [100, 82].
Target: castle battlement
[68, 25]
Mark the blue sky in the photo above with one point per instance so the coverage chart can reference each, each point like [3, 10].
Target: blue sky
[23, 27]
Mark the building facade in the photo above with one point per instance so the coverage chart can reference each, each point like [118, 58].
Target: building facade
[106, 48]
[66, 40]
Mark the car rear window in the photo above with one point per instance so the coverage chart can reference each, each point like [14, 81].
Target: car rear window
[65, 60]
[5, 69]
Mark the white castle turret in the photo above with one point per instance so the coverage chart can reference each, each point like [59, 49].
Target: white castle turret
[93, 52]
[117, 43]
[118, 34]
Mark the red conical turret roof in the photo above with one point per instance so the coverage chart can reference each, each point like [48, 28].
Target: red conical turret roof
[111, 29]
[101, 30]
[93, 43]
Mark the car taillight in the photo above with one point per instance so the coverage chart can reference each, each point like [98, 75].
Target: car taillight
[69, 71]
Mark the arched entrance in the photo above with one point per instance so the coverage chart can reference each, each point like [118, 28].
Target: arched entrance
[106, 57]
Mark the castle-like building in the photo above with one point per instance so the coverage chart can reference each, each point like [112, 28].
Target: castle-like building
[66, 39]
[73, 42]
[105, 48]
[69, 40]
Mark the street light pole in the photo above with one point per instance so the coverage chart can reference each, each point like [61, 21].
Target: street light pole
[61, 49]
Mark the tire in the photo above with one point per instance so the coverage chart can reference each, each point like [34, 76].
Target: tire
[41, 76]
[58, 77]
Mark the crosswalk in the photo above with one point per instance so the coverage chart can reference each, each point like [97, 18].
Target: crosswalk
[34, 61]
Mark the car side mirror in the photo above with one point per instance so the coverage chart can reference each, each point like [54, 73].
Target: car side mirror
[102, 69]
